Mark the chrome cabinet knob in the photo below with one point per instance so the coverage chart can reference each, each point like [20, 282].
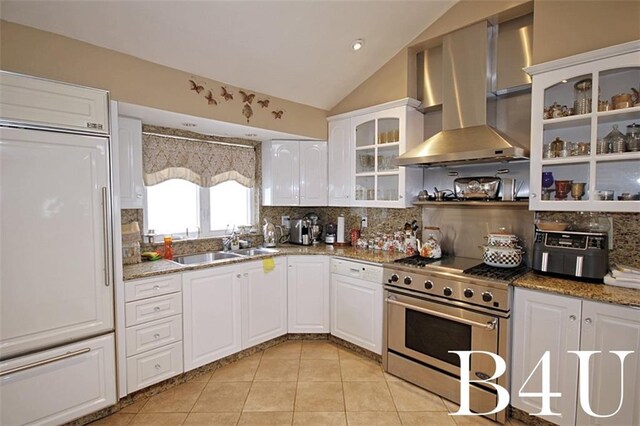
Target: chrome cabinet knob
[158, 366]
[572, 317]
[156, 287]
[157, 308]
[156, 336]
[588, 321]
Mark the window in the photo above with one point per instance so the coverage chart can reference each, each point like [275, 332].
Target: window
[176, 205]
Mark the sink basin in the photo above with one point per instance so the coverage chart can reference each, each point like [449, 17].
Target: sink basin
[256, 251]
[195, 259]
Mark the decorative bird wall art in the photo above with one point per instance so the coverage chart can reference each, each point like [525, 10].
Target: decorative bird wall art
[227, 95]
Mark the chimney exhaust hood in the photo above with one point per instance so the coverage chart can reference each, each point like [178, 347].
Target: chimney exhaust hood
[468, 106]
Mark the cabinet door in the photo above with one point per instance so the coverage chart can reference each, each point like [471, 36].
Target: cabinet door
[60, 384]
[608, 328]
[545, 322]
[211, 314]
[313, 173]
[130, 163]
[340, 153]
[281, 180]
[47, 103]
[264, 308]
[308, 288]
[356, 312]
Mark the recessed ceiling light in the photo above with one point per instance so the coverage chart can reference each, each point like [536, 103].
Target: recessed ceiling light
[564, 81]
[357, 45]
[189, 124]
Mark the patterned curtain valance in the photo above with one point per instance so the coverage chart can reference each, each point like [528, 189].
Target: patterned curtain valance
[203, 163]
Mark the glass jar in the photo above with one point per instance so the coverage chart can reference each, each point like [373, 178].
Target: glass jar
[632, 139]
[582, 97]
[615, 140]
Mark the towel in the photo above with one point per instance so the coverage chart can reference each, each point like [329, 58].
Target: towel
[268, 264]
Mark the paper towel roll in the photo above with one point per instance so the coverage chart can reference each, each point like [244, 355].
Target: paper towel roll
[340, 233]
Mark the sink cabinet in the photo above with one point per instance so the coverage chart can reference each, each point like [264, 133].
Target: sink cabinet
[583, 159]
[549, 322]
[363, 145]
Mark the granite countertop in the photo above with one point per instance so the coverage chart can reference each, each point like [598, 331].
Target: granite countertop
[161, 267]
[596, 292]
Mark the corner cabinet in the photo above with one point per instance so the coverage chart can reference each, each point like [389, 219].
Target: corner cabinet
[558, 324]
[365, 153]
[130, 163]
[294, 173]
[593, 92]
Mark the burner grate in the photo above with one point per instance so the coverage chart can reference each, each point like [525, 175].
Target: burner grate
[503, 274]
[416, 260]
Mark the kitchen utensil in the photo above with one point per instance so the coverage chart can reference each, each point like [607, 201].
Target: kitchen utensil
[480, 187]
[582, 97]
[577, 190]
[442, 195]
[563, 187]
[502, 257]
[423, 195]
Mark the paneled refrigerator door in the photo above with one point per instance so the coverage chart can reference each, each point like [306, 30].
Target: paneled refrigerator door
[55, 270]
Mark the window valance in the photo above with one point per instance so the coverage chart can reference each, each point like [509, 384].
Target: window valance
[200, 162]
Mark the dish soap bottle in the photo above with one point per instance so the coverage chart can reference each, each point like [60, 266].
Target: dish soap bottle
[168, 251]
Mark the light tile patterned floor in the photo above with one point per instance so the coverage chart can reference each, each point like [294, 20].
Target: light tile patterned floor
[295, 383]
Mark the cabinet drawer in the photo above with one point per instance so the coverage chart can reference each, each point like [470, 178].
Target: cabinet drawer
[53, 104]
[155, 308]
[151, 335]
[154, 366]
[156, 286]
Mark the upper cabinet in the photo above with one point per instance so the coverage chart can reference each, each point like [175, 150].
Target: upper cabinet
[579, 161]
[294, 173]
[130, 163]
[363, 146]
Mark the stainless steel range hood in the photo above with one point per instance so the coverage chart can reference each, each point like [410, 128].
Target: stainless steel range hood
[468, 109]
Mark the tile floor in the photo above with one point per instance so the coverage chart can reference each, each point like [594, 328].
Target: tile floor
[295, 383]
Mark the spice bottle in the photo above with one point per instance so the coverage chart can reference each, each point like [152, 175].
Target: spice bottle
[168, 251]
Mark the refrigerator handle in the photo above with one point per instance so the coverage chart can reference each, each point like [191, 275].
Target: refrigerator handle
[105, 233]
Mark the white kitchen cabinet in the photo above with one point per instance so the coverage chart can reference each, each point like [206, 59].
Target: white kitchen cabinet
[612, 71]
[212, 315]
[153, 334]
[544, 321]
[308, 288]
[47, 103]
[264, 301]
[40, 390]
[130, 163]
[377, 136]
[340, 152]
[356, 311]
[294, 173]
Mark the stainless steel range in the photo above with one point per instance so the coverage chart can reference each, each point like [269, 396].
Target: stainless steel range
[436, 306]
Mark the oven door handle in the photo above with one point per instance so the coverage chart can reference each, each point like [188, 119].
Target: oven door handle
[489, 325]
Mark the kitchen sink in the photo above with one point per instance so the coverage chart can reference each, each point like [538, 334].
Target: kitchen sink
[256, 251]
[196, 259]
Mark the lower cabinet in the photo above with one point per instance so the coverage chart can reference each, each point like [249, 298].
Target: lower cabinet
[212, 314]
[308, 284]
[230, 308]
[356, 312]
[40, 391]
[558, 324]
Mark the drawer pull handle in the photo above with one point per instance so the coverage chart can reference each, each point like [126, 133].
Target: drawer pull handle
[157, 335]
[156, 287]
[45, 361]
[158, 366]
[157, 308]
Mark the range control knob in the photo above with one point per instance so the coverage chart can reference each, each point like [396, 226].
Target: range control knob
[487, 296]
[468, 293]
[407, 280]
[448, 291]
[428, 284]
[394, 278]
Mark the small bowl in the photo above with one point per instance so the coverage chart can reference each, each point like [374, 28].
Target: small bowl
[546, 225]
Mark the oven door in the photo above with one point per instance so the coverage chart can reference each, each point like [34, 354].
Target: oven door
[425, 331]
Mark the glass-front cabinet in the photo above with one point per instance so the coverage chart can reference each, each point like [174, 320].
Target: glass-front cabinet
[585, 131]
[378, 138]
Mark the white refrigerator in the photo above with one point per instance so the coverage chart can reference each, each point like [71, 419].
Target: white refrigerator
[57, 356]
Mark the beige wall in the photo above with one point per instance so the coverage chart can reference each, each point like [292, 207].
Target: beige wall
[30, 51]
[561, 28]
[565, 28]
